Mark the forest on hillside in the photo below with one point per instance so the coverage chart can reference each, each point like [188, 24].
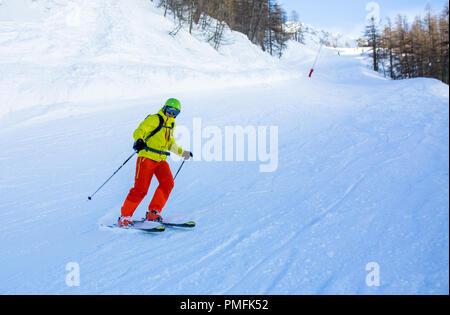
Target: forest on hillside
[263, 21]
[399, 49]
[405, 50]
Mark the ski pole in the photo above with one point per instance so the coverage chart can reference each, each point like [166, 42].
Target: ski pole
[90, 197]
[181, 167]
[315, 61]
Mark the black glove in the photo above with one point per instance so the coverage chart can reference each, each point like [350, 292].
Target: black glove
[139, 145]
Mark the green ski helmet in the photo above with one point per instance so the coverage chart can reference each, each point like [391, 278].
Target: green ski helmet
[172, 106]
[174, 103]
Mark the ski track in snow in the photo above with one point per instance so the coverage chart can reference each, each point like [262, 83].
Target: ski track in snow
[362, 177]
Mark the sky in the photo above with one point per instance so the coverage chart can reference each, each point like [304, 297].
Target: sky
[348, 16]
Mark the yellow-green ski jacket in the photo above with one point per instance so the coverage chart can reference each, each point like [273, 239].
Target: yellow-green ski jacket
[162, 141]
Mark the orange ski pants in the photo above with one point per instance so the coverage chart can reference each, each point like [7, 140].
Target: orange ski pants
[145, 169]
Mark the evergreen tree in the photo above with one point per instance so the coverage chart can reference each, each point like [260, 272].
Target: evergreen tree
[373, 41]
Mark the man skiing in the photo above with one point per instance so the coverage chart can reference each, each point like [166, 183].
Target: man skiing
[153, 138]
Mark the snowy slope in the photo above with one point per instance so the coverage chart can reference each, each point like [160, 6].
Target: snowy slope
[362, 177]
[109, 50]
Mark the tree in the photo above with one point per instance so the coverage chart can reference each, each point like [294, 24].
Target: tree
[417, 50]
[261, 20]
[444, 44]
[373, 41]
[388, 44]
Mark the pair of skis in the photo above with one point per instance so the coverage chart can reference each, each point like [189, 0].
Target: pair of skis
[146, 226]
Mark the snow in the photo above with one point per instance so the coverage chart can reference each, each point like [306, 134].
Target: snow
[314, 37]
[362, 172]
[97, 51]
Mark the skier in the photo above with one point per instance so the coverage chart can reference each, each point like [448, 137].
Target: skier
[153, 138]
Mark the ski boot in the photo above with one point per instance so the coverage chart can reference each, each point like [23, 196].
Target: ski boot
[125, 222]
[153, 215]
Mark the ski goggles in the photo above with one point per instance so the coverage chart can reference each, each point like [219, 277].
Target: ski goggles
[173, 111]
